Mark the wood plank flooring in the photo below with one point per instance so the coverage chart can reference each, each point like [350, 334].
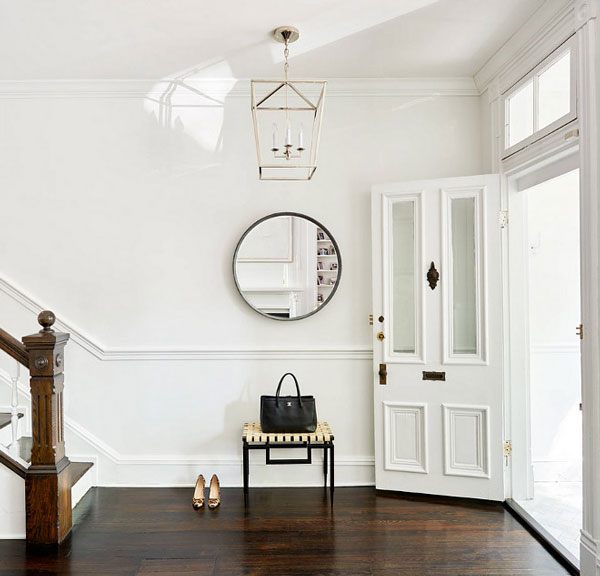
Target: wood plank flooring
[284, 531]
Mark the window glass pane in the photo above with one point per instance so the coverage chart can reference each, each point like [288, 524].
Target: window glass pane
[555, 91]
[520, 114]
[403, 274]
[464, 303]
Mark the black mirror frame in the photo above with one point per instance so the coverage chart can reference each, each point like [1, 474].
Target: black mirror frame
[317, 223]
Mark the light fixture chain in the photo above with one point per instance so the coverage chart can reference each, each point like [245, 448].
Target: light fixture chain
[286, 66]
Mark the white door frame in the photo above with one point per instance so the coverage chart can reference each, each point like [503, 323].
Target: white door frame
[555, 160]
[581, 17]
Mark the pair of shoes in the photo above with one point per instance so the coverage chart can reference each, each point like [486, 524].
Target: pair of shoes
[214, 494]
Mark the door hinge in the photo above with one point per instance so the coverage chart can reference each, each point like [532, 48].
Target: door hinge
[579, 331]
[370, 319]
[507, 448]
[503, 219]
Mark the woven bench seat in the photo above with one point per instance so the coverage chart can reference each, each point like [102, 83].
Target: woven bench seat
[253, 434]
[253, 438]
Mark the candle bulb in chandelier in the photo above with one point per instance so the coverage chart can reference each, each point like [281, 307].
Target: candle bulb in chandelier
[301, 139]
[288, 136]
[275, 147]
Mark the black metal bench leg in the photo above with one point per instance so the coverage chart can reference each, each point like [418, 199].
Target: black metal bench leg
[325, 450]
[246, 472]
[332, 472]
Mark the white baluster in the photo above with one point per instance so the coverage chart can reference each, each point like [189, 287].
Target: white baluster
[14, 412]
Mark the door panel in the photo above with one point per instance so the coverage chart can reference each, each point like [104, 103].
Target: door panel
[438, 436]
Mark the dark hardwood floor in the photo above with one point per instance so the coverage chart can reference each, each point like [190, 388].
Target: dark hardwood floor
[284, 531]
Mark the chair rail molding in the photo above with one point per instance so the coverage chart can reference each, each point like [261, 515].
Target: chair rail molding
[105, 353]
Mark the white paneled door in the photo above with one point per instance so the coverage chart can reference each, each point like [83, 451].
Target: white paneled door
[437, 329]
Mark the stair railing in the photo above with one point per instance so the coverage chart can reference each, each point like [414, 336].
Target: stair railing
[48, 478]
[13, 447]
[19, 353]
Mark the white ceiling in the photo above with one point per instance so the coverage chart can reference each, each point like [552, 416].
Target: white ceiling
[126, 39]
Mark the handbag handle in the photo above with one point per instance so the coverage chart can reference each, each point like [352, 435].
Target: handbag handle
[279, 389]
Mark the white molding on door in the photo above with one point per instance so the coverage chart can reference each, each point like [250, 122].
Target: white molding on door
[387, 201]
[105, 353]
[406, 410]
[449, 357]
[480, 442]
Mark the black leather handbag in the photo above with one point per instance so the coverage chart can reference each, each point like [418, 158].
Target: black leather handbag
[288, 413]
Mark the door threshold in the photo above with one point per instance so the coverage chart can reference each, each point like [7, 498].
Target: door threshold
[558, 551]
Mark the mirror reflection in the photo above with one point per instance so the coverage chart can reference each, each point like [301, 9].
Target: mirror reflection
[287, 266]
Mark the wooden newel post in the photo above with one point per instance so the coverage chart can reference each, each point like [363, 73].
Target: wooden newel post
[47, 483]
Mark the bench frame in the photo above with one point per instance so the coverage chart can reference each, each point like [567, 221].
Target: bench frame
[328, 459]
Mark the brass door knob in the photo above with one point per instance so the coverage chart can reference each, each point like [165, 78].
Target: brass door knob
[380, 336]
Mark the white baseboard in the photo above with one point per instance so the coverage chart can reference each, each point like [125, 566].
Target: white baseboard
[182, 472]
[12, 535]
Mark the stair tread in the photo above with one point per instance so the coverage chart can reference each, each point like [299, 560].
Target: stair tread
[78, 469]
[5, 418]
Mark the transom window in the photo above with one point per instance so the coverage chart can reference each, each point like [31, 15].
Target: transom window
[542, 101]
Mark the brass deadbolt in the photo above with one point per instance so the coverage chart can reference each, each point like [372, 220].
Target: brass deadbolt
[380, 336]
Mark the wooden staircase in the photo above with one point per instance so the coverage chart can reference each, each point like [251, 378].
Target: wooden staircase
[41, 460]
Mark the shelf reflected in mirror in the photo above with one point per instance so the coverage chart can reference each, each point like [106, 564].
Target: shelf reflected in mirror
[287, 266]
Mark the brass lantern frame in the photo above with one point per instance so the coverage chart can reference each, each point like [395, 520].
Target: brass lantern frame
[308, 104]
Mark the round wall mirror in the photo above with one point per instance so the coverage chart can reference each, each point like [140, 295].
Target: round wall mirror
[287, 266]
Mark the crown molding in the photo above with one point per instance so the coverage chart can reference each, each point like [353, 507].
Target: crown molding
[105, 353]
[547, 28]
[220, 89]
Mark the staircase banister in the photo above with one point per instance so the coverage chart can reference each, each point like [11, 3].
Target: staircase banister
[14, 348]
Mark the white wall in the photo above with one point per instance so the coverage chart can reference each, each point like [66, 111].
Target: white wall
[122, 215]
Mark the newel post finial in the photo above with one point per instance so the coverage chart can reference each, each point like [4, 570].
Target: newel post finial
[46, 319]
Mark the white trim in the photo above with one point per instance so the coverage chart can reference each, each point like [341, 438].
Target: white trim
[547, 29]
[420, 463]
[451, 467]
[589, 115]
[557, 145]
[215, 88]
[12, 535]
[104, 353]
[569, 47]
